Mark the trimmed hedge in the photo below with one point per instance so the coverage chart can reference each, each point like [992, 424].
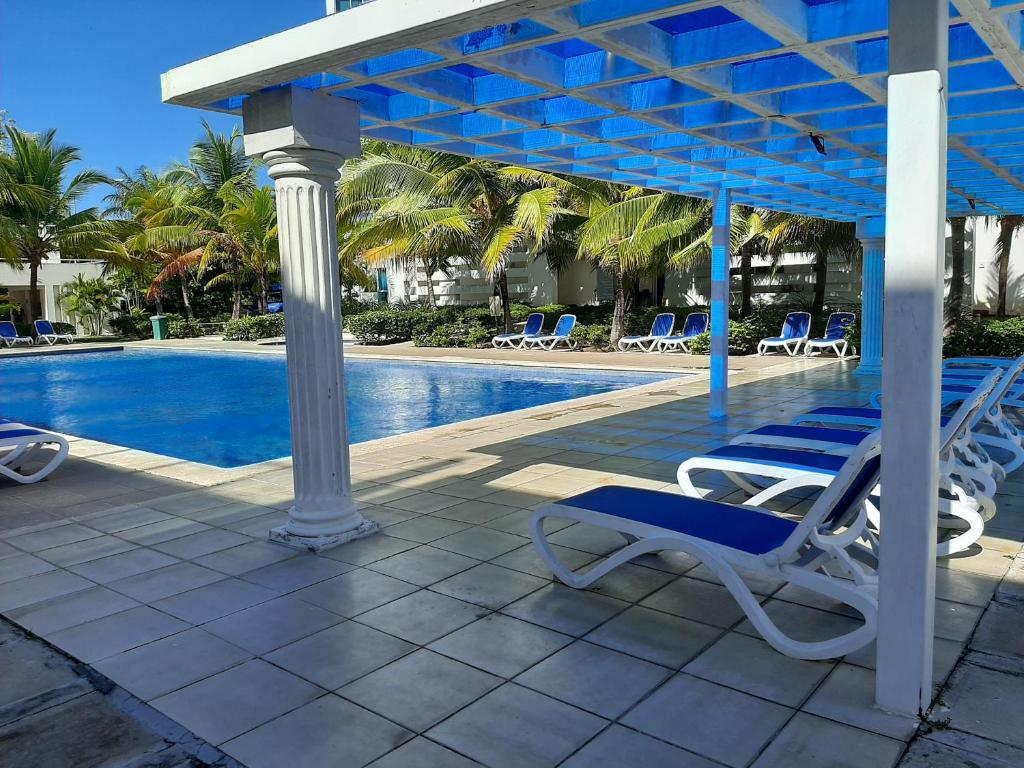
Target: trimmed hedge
[184, 329]
[254, 328]
[985, 337]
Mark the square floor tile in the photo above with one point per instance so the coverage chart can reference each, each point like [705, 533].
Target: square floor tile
[108, 569]
[572, 611]
[220, 598]
[125, 519]
[705, 718]
[420, 690]
[115, 634]
[355, 592]
[203, 543]
[489, 585]
[753, 666]
[588, 538]
[593, 678]
[43, 586]
[512, 727]
[987, 704]
[527, 560]
[655, 636]
[164, 582]
[803, 623]
[237, 700]
[631, 582]
[420, 753]
[22, 566]
[270, 625]
[808, 740]
[338, 655]
[52, 537]
[248, 557]
[500, 644]
[481, 543]
[369, 550]
[326, 733]
[474, 512]
[423, 565]
[70, 610]
[86, 550]
[165, 665]
[297, 573]
[162, 530]
[422, 617]
[848, 696]
[698, 600]
[619, 747]
[424, 529]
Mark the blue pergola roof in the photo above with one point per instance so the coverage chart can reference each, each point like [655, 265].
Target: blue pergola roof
[682, 96]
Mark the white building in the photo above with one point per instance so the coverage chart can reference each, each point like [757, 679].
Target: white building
[54, 274]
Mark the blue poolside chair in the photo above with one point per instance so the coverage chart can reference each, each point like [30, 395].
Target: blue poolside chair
[737, 540]
[45, 332]
[835, 337]
[534, 324]
[661, 328]
[795, 331]
[697, 323]
[9, 335]
[561, 335]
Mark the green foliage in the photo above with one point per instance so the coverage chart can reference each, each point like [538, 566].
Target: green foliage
[385, 325]
[462, 333]
[185, 329]
[89, 300]
[1001, 338]
[254, 328]
[597, 336]
[134, 324]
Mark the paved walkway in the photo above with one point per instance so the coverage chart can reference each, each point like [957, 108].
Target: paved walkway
[443, 642]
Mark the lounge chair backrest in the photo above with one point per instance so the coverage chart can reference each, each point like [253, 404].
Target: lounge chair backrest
[838, 324]
[663, 324]
[839, 504]
[44, 328]
[533, 324]
[696, 324]
[797, 325]
[565, 325]
[7, 329]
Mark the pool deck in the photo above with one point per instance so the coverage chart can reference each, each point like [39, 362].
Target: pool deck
[443, 642]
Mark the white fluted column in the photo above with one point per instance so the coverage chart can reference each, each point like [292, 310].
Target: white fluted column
[721, 228]
[304, 138]
[871, 233]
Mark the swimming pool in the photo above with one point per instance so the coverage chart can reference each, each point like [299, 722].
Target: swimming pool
[229, 410]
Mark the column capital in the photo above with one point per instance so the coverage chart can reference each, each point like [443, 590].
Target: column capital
[313, 164]
[291, 118]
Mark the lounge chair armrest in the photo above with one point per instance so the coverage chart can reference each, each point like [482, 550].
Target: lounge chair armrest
[808, 480]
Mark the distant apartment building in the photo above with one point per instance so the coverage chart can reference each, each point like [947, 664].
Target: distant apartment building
[54, 274]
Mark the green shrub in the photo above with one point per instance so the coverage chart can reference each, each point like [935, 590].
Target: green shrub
[135, 325]
[184, 329]
[596, 336]
[456, 334]
[985, 337]
[254, 327]
[385, 324]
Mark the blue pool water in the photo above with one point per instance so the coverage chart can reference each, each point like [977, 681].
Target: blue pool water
[232, 409]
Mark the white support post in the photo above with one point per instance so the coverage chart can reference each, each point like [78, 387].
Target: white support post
[871, 233]
[914, 265]
[304, 138]
[721, 227]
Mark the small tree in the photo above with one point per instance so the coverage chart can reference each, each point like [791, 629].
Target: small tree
[89, 300]
[1008, 227]
[958, 256]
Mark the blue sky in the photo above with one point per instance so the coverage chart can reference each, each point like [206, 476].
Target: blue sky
[91, 69]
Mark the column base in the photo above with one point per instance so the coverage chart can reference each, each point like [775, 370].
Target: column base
[868, 369]
[281, 535]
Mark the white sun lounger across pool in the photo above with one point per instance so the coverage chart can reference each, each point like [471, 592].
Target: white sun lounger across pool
[19, 443]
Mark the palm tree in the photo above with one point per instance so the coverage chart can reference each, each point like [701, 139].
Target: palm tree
[88, 299]
[825, 239]
[46, 222]
[632, 232]
[958, 256]
[250, 221]
[1008, 226]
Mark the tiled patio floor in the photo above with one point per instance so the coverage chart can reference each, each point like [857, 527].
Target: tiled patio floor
[443, 642]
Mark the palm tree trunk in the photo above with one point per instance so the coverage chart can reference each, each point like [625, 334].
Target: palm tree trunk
[236, 303]
[35, 309]
[185, 298]
[506, 309]
[1004, 243]
[619, 312]
[955, 300]
[820, 279]
[746, 281]
[264, 297]
[431, 299]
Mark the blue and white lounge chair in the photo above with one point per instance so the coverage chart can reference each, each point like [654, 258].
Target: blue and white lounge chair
[835, 337]
[795, 331]
[19, 443]
[9, 335]
[661, 328]
[563, 328]
[533, 326]
[45, 332]
[697, 323]
[732, 540]
[796, 458]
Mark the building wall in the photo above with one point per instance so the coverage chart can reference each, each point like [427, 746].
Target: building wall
[53, 275]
